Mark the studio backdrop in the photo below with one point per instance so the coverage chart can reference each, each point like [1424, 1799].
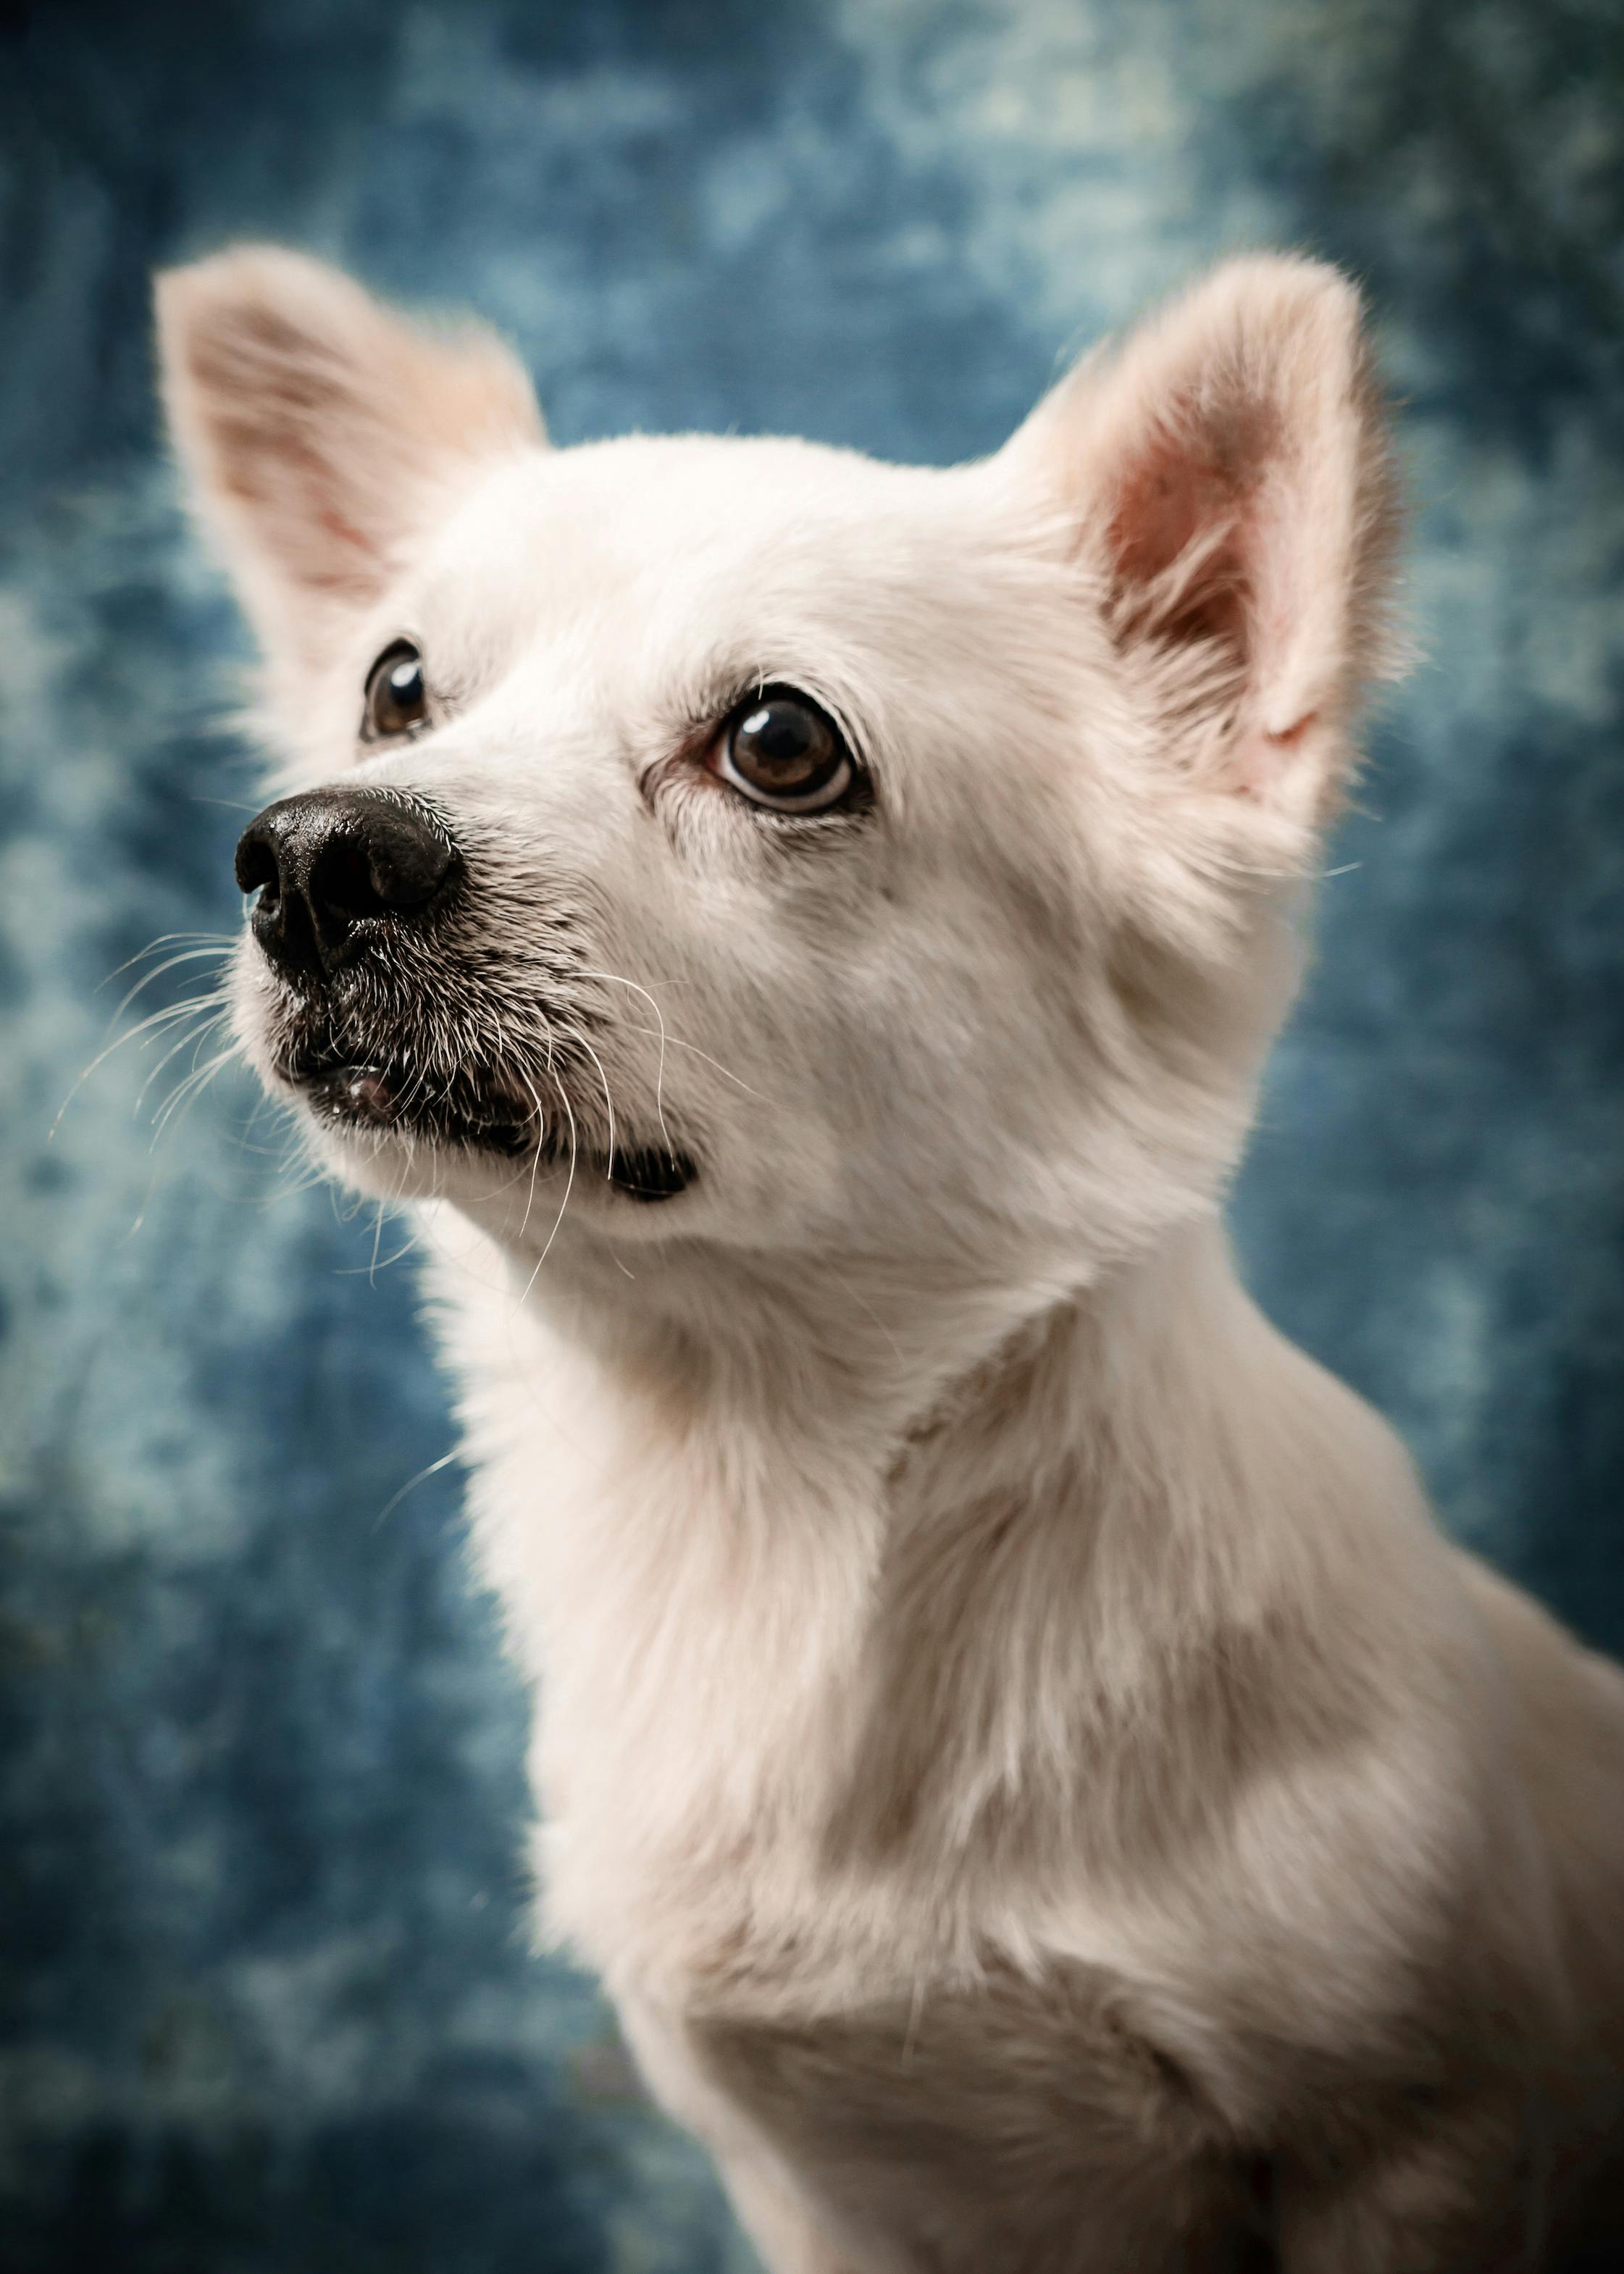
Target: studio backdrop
[268, 2006]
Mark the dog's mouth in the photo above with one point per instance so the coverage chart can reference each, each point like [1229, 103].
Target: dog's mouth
[381, 1097]
[465, 1116]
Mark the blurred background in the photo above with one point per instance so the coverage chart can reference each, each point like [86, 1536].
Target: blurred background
[266, 2001]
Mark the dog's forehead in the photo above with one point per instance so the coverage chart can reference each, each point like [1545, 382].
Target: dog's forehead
[647, 577]
[603, 526]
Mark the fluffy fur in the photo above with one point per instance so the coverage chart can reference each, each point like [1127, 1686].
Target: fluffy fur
[1039, 1787]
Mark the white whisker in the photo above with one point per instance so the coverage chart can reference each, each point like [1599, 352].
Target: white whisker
[198, 942]
[196, 1038]
[569, 1186]
[372, 1268]
[582, 1043]
[169, 1016]
[677, 1043]
[421, 1477]
[191, 1090]
[541, 1130]
[615, 980]
[187, 955]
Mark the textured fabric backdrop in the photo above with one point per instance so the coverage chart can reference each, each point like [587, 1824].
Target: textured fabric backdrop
[267, 2005]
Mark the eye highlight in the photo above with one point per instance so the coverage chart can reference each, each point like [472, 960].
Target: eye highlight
[783, 751]
[397, 698]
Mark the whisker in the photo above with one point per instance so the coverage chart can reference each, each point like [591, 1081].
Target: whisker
[168, 1016]
[372, 1268]
[186, 955]
[421, 1477]
[677, 1043]
[195, 1083]
[195, 1038]
[189, 1090]
[659, 1076]
[569, 1186]
[221, 940]
[541, 1128]
[581, 1043]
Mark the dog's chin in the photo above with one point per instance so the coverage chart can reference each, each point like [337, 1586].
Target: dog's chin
[381, 1122]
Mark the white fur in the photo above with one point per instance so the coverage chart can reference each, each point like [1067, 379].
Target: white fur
[1041, 1790]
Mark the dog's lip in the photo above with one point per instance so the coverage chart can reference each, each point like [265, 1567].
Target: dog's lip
[376, 1097]
[358, 1093]
[373, 1096]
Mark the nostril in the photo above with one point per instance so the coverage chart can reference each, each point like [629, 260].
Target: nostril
[344, 881]
[256, 862]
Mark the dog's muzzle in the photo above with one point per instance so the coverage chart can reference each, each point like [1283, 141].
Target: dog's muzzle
[353, 884]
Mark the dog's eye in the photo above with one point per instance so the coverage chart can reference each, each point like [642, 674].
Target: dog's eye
[397, 699]
[784, 752]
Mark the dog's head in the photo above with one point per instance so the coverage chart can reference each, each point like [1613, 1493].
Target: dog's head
[769, 847]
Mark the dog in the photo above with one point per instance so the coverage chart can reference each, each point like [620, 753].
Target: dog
[1043, 1793]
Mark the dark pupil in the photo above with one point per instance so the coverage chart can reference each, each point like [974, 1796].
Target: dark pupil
[404, 687]
[784, 746]
[398, 698]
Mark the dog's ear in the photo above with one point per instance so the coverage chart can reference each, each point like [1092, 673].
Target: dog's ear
[1226, 474]
[322, 432]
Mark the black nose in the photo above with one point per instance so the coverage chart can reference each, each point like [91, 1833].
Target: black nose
[335, 867]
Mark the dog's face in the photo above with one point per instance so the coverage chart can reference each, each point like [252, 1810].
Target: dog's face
[756, 844]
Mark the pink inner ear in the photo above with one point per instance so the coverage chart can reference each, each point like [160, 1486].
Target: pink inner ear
[1178, 539]
[1160, 508]
[346, 532]
[1231, 493]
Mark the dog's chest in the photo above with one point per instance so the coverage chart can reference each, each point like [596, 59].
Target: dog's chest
[1008, 2121]
[935, 2114]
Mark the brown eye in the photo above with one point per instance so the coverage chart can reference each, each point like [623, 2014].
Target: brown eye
[397, 700]
[782, 751]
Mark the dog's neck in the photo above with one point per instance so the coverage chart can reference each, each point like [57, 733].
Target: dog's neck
[1147, 1430]
[848, 1365]
[813, 1355]
[946, 1547]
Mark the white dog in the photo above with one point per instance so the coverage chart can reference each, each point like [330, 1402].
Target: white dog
[1044, 1796]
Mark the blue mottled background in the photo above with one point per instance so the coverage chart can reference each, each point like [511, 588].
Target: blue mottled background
[266, 2003]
